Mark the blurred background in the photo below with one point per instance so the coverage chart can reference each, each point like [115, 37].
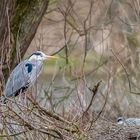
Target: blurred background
[95, 80]
[96, 40]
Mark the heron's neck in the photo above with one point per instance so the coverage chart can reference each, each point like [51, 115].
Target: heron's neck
[32, 58]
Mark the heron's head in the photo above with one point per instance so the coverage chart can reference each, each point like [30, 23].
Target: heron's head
[40, 56]
[120, 120]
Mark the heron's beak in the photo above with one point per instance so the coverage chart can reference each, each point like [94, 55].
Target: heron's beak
[51, 57]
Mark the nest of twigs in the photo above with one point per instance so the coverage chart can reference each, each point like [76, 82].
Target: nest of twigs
[33, 121]
[105, 130]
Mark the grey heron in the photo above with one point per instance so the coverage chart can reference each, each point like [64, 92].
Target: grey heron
[129, 121]
[25, 74]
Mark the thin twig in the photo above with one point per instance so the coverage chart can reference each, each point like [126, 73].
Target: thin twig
[94, 91]
[127, 75]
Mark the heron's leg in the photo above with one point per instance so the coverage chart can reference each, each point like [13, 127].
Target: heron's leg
[22, 104]
[1, 118]
[25, 104]
[9, 106]
[25, 99]
[20, 97]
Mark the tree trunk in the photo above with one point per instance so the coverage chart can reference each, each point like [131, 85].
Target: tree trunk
[19, 20]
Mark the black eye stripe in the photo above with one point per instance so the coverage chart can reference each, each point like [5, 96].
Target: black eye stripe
[37, 53]
[119, 120]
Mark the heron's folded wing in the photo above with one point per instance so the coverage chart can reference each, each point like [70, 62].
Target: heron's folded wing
[18, 78]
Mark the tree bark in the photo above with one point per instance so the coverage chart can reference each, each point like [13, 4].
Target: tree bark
[19, 20]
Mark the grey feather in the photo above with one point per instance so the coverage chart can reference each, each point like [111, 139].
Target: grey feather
[21, 77]
[128, 121]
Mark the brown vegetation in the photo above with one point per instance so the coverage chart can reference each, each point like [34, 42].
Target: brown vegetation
[95, 81]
